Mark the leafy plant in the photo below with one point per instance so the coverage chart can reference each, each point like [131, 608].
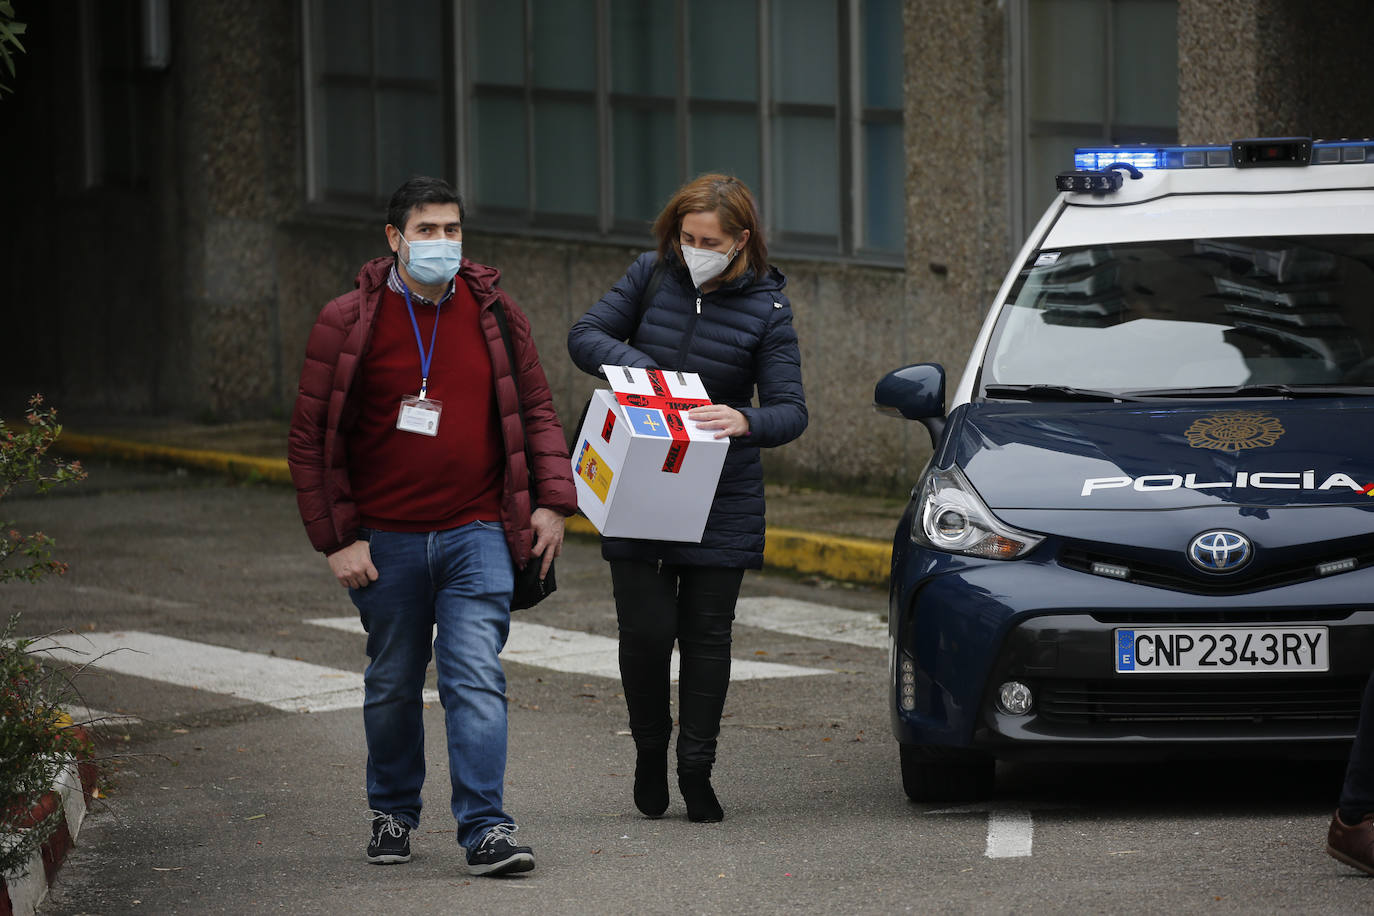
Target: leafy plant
[37, 740]
[24, 459]
[9, 38]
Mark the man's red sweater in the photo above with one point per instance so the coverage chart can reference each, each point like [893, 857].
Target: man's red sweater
[406, 481]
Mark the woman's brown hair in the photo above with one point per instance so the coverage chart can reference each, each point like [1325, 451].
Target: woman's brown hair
[731, 201]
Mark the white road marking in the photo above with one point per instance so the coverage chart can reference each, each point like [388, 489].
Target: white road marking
[1011, 832]
[281, 683]
[584, 653]
[295, 686]
[816, 621]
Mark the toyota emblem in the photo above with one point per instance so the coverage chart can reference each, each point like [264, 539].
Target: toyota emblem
[1219, 551]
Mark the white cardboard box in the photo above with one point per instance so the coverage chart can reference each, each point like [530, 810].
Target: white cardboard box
[642, 469]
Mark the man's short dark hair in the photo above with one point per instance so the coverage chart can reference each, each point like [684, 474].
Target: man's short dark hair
[420, 191]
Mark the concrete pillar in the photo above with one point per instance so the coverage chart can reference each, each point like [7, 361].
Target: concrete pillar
[956, 183]
[239, 148]
[1273, 68]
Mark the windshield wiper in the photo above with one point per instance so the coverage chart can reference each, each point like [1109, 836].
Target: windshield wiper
[1053, 393]
[1269, 390]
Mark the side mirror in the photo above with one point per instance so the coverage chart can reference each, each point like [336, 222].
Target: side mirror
[915, 393]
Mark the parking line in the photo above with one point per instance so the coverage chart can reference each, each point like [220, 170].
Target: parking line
[1010, 834]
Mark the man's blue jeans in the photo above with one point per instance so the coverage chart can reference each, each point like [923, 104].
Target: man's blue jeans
[459, 581]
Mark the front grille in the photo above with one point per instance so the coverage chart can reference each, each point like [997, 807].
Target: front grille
[1329, 700]
[1256, 578]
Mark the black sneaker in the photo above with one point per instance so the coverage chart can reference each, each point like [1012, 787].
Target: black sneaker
[497, 854]
[390, 843]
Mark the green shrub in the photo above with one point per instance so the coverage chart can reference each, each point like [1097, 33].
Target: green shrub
[37, 739]
[24, 460]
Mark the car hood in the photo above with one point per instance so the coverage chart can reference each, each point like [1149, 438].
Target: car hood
[1269, 453]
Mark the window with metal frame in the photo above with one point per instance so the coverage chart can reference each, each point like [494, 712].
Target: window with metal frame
[377, 81]
[1087, 73]
[581, 117]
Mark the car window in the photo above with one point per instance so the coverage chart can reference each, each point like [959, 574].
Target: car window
[1190, 313]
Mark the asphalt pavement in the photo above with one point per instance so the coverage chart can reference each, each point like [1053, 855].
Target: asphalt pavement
[223, 667]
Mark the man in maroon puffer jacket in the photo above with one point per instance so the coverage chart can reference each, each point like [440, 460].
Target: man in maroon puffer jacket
[427, 470]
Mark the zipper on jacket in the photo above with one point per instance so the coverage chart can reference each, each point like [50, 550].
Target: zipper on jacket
[688, 337]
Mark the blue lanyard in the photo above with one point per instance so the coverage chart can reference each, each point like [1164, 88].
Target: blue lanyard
[425, 358]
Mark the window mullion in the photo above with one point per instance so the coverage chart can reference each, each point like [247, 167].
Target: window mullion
[1109, 46]
[457, 79]
[605, 167]
[1018, 73]
[374, 88]
[683, 125]
[312, 88]
[849, 127]
[765, 117]
[531, 204]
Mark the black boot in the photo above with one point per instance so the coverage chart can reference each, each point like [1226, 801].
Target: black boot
[702, 804]
[651, 782]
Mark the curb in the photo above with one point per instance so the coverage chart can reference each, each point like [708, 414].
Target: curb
[73, 789]
[845, 559]
[272, 470]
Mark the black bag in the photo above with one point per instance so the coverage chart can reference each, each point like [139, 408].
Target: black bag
[529, 588]
[646, 296]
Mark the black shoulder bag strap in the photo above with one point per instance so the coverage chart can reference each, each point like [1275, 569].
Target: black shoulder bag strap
[500, 314]
[646, 297]
[529, 588]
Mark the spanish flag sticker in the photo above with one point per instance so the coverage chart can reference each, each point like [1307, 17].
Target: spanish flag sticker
[594, 471]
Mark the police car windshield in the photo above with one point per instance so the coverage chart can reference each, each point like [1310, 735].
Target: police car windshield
[1185, 316]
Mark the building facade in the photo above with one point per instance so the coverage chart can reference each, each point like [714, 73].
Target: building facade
[191, 181]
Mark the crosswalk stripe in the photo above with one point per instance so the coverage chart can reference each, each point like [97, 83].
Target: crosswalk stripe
[816, 621]
[585, 653]
[296, 686]
[281, 683]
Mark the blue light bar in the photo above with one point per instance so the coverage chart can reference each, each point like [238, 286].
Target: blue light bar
[1153, 157]
[1093, 160]
[1323, 152]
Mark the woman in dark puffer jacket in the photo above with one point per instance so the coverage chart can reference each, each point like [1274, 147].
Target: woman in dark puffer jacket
[716, 308]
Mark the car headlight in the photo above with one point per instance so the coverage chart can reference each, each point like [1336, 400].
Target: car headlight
[950, 516]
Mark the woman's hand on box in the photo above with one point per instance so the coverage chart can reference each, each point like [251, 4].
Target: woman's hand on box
[725, 420]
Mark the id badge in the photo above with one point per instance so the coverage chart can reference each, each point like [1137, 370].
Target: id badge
[419, 415]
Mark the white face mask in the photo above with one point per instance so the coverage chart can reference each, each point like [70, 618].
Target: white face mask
[704, 264]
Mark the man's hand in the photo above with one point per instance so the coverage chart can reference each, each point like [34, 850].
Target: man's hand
[729, 421]
[548, 537]
[352, 565]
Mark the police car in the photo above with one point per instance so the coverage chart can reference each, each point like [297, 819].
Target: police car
[1148, 523]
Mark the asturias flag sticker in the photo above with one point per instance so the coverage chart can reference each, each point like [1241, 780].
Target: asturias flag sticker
[648, 422]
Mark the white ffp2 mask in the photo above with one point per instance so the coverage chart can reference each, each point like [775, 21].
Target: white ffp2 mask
[704, 264]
